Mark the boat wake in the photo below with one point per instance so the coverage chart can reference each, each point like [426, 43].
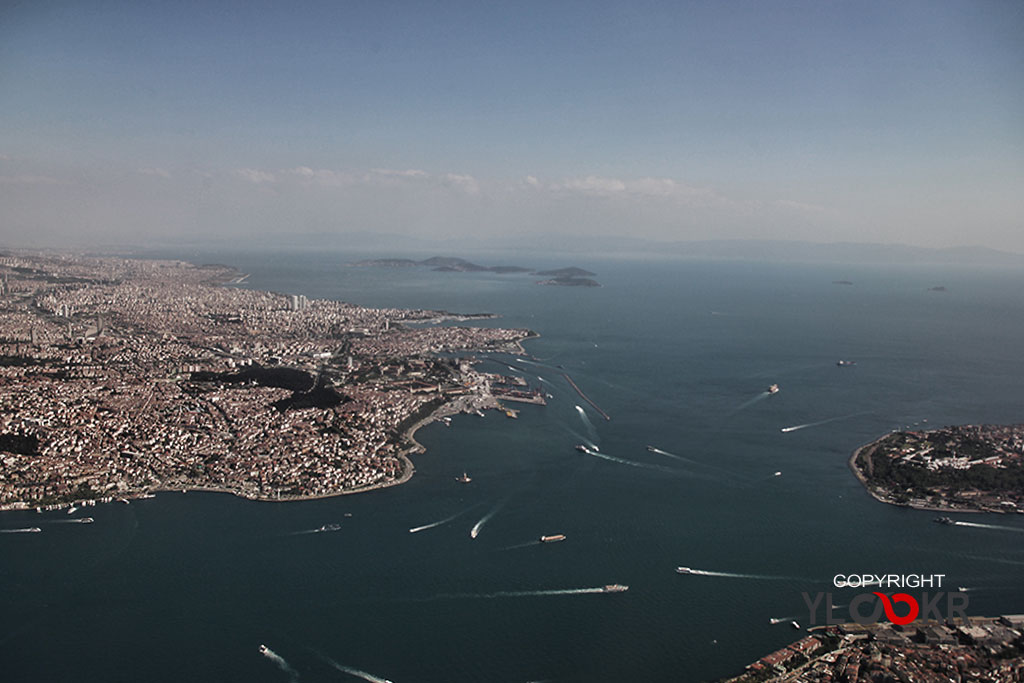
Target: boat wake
[293, 675]
[733, 575]
[27, 530]
[355, 672]
[746, 404]
[821, 422]
[978, 525]
[652, 449]
[519, 594]
[326, 528]
[586, 421]
[417, 529]
[781, 620]
[521, 545]
[475, 531]
[623, 461]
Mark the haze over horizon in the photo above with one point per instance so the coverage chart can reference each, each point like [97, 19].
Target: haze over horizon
[897, 123]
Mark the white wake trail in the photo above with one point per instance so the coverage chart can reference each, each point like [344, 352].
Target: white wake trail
[475, 531]
[623, 461]
[652, 449]
[355, 672]
[734, 575]
[417, 529]
[978, 525]
[586, 421]
[821, 422]
[293, 675]
[27, 530]
[519, 594]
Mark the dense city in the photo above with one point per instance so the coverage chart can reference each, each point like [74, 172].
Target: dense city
[122, 376]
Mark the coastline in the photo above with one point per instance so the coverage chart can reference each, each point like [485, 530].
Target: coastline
[874, 492]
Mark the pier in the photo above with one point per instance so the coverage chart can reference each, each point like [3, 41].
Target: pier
[585, 397]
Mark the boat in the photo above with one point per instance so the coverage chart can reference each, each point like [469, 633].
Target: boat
[86, 520]
[773, 389]
[846, 363]
[962, 589]
[465, 478]
[330, 527]
[264, 649]
[778, 474]
[72, 510]
[615, 588]
[795, 625]
[552, 538]
[944, 520]
[684, 570]
[582, 448]
[652, 449]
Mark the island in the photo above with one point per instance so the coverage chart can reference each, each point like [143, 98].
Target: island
[570, 276]
[120, 377]
[570, 282]
[986, 649]
[965, 468]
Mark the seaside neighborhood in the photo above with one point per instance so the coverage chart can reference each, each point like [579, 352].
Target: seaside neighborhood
[120, 377]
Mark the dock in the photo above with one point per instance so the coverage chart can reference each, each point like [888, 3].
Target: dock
[585, 397]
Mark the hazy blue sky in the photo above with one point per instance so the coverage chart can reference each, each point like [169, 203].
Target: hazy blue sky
[820, 120]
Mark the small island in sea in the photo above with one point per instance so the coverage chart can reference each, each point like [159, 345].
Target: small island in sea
[119, 377]
[569, 277]
[978, 468]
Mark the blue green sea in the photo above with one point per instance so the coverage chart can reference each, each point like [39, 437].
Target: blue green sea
[680, 354]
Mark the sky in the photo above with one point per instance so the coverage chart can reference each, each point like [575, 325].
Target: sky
[162, 122]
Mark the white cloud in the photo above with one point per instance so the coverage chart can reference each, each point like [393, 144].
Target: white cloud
[254, 175]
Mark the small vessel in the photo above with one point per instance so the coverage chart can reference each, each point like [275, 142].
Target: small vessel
[615, 588]
[86, 520]
[778, 474]
[944, 520]
[465, 478]
[795, 625]
[582, 448]
[846, 363]
[330, 527]
[962, 589]
[264, 649]
[72, 510]
[773, 389]
[652, 449]
[474, 532]
[684, 570]
[552, 538]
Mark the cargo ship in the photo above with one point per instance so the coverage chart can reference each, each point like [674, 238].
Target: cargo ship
[552, 538]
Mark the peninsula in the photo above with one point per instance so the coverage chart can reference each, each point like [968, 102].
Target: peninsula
[978, 468]
[119, 377]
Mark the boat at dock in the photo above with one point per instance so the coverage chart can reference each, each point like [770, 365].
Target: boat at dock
[552, 538]
[615, 588]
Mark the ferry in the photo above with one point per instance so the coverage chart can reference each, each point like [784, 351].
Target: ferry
[615, 588]
[464, 479]
[773, 389]
[552, 538]
[684, 570]
[846, 363]
[944, 520]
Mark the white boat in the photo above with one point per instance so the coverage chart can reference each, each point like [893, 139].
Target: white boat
[778, 474]
[773, 389]
[684, 570]
[264, 649]
[795, 625]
